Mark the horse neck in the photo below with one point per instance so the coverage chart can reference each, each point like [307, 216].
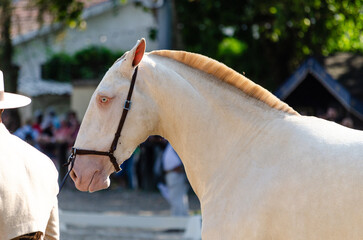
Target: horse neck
[204, 119]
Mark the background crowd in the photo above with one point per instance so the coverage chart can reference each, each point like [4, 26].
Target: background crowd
[51, 134]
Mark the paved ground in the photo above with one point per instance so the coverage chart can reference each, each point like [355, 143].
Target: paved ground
[118, 201]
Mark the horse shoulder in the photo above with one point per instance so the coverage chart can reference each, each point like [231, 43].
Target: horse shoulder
[307, 176]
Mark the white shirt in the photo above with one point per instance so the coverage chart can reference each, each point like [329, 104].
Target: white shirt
[28, 189]
[171, 159]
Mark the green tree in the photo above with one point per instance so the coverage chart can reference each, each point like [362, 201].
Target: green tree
[93, 62]
[6, 48]
[267, 39]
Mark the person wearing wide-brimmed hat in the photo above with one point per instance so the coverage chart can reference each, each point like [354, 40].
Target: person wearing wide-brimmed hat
[28, 183]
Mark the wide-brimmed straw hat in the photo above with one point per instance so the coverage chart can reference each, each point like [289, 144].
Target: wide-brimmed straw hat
[11, 100]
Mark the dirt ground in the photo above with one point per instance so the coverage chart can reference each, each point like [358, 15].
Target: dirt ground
[119, 201]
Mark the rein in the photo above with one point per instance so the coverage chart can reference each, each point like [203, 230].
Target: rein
[109, 153]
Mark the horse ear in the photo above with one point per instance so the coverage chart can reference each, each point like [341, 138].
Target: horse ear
[139, 51]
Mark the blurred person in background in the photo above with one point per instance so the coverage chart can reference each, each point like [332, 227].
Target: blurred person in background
[176, 182]
[46, 139]
[38, 119]
[347, 122]
[28, 134]
[51, 118]
[150, 152]
[74, 126]
[331, 114]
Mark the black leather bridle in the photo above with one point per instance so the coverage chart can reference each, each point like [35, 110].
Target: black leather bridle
[77, 151]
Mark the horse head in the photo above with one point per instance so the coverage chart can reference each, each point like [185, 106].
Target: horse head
[97, 132]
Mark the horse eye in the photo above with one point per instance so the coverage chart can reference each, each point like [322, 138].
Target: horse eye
[104, 99]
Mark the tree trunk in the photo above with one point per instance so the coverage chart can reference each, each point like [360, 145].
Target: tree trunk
[177, 38]
[6, 48]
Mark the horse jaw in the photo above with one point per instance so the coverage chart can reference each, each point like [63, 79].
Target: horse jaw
[91, 173]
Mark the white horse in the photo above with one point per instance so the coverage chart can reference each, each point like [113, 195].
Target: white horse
[259, 169]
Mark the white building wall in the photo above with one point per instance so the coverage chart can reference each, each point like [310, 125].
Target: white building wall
[117, 29]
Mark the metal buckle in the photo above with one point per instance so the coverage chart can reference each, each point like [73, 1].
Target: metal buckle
[70, 159]
[127, 105]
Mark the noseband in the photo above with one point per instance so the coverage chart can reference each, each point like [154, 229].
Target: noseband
[77, 151]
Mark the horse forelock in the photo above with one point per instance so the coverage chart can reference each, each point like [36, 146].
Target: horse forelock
[228, 75]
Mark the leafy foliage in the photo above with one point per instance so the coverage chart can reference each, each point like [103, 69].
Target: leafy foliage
[63, 11]
[93, 62]
[89, 63]
[59, 67]
[274, 35]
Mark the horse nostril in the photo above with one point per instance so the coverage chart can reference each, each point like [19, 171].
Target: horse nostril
[73, 175]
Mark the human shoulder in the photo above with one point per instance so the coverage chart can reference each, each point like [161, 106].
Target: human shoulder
[23, 153]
